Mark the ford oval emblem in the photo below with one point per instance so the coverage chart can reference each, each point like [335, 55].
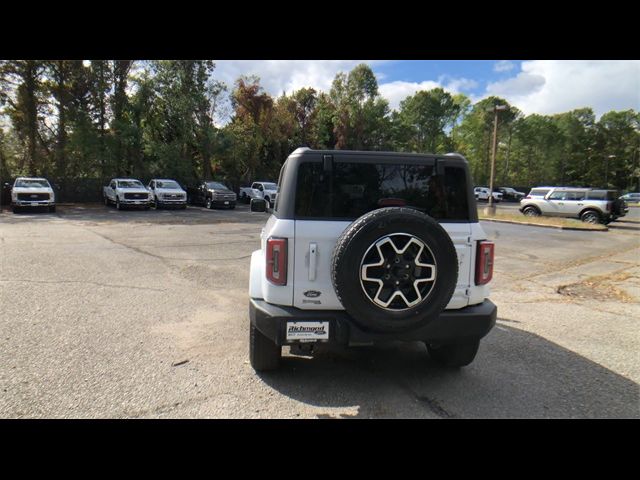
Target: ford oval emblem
[312, 293]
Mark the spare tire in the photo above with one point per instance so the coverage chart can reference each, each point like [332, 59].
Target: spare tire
[394, 269]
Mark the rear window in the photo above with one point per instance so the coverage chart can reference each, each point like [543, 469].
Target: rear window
[354, 189]
[602, 195]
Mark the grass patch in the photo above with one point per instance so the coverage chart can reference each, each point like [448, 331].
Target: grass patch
[546, 221]
[633, 204]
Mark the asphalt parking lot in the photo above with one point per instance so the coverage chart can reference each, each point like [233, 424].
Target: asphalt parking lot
[129, 314]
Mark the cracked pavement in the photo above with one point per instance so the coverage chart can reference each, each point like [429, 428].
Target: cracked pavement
[108, 314]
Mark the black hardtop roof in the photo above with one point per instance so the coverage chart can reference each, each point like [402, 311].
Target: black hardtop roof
[370, 153]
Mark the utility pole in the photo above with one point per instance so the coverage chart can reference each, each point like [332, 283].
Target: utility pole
[491, 208]
[606, 170]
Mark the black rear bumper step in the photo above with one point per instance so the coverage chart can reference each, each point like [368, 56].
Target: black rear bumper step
[474, 321]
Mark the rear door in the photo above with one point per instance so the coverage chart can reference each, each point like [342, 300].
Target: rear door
[574, 203]
[327, 203]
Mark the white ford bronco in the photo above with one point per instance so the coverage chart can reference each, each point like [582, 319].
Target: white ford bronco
[369, 246]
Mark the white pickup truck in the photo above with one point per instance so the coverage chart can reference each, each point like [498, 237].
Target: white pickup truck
[266, 190]
[127, 192]
[482, 194]
[32, 192]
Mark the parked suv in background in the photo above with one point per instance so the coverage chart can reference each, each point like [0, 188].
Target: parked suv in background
[631, 197]
[32, 192]
[589, 205]
[167, 193]
[211, 194]
[368, 246]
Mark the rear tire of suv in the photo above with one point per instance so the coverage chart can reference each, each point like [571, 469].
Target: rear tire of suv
[531, 212]
[264, 354]
[415, 282]
[457, 354]
[591, 216]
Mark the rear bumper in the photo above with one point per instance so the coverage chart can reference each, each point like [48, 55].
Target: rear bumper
[474, 321]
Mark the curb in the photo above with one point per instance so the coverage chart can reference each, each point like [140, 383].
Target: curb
[606, 229]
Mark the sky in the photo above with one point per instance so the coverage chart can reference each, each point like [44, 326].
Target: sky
[534, 86]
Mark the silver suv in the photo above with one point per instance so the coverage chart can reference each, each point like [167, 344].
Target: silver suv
[587, 204]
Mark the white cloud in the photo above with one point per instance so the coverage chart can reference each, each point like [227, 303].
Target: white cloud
[554, 86]
[503, 66]
[398, 90]
[457, 85]
[277, 76]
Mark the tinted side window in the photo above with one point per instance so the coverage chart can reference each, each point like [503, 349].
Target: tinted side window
[596, 195]
[280, 178]
[575, 196]
[357, 188]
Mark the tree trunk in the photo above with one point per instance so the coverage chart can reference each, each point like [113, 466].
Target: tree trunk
[32, 115]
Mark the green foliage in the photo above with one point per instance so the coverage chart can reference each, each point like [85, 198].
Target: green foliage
[69, 119]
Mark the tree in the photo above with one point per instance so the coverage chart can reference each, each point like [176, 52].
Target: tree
[361, 116]
[424, 117]
[23, 91]
[473, 136]
[619, 134]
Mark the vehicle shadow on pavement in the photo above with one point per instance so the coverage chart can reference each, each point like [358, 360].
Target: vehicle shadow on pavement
[516, 374]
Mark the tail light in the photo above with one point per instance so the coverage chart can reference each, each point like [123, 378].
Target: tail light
[528, 196]
[277, 261]
[484, 262]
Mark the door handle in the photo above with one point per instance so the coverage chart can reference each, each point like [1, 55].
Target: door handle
[313, 252]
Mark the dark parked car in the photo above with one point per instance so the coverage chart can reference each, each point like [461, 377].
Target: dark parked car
[509, 194]
[211, 194]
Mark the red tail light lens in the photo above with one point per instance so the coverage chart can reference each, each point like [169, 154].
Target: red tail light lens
[277, 261]
[484, 262]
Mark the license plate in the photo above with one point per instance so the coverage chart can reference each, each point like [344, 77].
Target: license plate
[307, 331]
[35, 204]
[226, 203]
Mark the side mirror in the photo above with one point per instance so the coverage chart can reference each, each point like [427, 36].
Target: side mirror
[258, 205]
